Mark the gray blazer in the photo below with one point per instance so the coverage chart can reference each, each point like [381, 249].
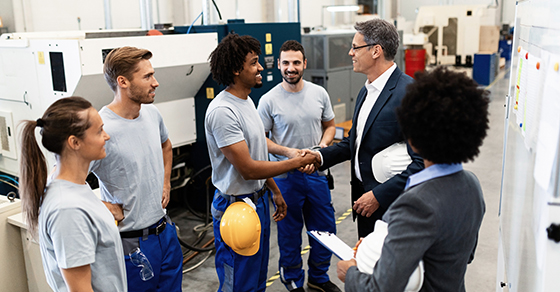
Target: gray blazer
[436, 221]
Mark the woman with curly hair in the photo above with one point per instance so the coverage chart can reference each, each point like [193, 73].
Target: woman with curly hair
[444, 116]
[80, 245]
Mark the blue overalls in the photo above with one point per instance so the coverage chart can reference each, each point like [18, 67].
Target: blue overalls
[309, 200]
[239, 273]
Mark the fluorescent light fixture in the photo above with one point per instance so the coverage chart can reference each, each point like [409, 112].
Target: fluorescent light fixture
[341, 8]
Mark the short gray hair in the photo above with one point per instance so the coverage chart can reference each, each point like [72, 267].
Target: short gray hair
[380, 32]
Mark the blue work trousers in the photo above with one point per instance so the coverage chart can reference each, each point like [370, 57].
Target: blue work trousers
[309, 201]
[239, 273]
[165, 255]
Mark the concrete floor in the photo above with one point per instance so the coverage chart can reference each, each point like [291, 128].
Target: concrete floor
[481, 274]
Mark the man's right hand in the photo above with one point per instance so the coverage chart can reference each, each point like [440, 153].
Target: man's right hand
[116, 210]
[311, 167]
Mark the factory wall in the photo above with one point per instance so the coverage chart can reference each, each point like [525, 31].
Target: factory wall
[56, 15]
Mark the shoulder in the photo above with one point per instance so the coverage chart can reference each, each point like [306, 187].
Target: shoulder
[269, 95]
[315, 87]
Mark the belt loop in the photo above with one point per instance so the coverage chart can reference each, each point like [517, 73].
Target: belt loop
[145, 233]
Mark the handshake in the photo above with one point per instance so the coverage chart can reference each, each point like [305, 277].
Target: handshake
[308, 160]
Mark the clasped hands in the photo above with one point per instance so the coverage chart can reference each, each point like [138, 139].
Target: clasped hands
[309, 166]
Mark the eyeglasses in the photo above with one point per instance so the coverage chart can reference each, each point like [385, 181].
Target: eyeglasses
[140, 260]
[354, 49]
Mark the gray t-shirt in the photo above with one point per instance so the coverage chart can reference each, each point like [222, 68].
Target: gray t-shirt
[76, 229]
[230, 120]
[132, 173]
[294, 118]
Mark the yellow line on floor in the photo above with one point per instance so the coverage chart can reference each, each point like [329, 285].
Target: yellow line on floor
[307, 248]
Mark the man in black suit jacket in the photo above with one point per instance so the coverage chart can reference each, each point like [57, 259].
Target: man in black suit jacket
[374, 125]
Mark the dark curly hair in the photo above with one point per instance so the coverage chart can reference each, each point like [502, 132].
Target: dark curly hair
[292, 45]
[445, 116]
[229, 56]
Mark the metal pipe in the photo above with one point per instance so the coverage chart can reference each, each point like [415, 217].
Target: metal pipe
[237, 9]
[108, 16]
[146, 16]
[206, 12]
[293, 10]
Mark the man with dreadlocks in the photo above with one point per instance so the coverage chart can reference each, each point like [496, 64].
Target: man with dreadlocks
[240, 168]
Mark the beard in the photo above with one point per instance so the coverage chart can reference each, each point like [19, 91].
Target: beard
[139, 96]
[258, 85]
[292, 80]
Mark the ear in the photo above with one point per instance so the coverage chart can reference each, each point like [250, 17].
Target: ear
[279, 64]
[122, 82]
[376, 52]
[305, 64]
[73, 143]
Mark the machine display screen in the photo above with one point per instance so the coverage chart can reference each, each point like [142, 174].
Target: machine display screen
[57, 71]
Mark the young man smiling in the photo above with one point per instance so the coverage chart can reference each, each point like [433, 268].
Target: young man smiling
[298, 114]
[238, 153]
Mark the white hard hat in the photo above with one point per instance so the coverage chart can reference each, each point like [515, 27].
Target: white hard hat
[390, 162]
[369, 252]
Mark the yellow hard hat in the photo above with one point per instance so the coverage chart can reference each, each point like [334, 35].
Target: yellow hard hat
[240, 228]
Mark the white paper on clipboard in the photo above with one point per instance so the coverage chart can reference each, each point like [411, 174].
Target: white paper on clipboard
[329, 240]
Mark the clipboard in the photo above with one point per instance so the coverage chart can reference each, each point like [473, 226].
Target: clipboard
[333, 243]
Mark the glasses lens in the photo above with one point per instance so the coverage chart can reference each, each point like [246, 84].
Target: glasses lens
[139, 259]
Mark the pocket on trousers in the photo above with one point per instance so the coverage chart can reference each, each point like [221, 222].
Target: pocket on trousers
[228, 278]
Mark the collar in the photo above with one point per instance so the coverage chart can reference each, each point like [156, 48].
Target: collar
[380, 82]
[434, 171]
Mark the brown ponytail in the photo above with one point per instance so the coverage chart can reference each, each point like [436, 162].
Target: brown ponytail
[62, 119]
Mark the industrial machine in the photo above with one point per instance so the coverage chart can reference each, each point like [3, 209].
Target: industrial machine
[39, 68]
[453, 32]
[329, 65]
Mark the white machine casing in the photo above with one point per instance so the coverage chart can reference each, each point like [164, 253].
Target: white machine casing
[27, 85]
[469, 20]
[369, 252]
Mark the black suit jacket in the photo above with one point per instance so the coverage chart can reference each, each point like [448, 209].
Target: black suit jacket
[381, 130]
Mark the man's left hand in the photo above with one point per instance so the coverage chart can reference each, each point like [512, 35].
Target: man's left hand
[165, 196]
[366, 204]
[342, 267]
[281, 207]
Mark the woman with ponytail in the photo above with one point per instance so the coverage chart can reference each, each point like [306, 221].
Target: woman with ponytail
[80, 243]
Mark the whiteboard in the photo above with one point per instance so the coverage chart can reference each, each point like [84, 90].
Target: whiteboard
[531, 261]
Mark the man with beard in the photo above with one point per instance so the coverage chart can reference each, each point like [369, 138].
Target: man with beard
[238, 152]
[298, 114]
[134, 177]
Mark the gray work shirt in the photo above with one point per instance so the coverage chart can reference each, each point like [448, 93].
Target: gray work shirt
[76, 229]
[230, 120]
[132, 173]
[294, 119]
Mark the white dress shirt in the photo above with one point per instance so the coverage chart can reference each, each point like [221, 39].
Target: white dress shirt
[373, 90]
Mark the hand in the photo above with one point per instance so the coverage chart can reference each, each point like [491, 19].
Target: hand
[356, 247]
[366, 204]
[293, 152]
[311, 167]
[281, 207]
[342, 267]
[166, 195]
[116, 210]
